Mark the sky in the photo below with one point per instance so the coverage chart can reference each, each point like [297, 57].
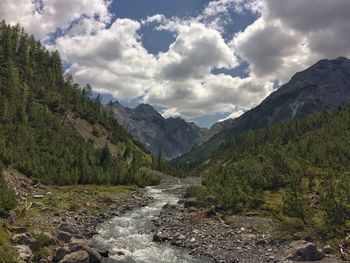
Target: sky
[201, 60]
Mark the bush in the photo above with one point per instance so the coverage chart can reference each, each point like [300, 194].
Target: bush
[196, 191]
[145, 178]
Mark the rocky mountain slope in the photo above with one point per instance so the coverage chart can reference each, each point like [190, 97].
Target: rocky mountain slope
[173, 136]
[322, 87]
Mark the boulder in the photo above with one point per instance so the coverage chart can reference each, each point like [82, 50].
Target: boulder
[68, 228]
[59, 253]
[94, 256]
[25, 239]
[64, 236]
[159, 237]
[181, 237]
[328, 250]
[25, 253]
[103, 252]
[302, 250]
[76, 257]
[191, 202]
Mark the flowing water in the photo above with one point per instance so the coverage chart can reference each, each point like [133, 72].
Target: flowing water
[129, 237]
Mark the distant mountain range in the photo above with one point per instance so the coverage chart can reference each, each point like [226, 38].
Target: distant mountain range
[173, 136]
[322, 87]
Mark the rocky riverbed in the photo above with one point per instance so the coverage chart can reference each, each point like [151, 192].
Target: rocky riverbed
[245, 239]
[155, 224]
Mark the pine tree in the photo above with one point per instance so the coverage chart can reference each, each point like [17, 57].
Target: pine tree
[294, 202]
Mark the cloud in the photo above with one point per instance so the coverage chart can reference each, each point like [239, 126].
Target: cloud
[112, 60]
[217, 13]
[290, 36]
[41, 17]
[287, 37]
[196, 50]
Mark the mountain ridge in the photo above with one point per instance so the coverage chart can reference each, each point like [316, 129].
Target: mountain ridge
[321, 87]
[172, 136]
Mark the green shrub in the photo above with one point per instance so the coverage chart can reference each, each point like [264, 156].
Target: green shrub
[43, 240]
[5, 256]
[196, 191]
[145, 178]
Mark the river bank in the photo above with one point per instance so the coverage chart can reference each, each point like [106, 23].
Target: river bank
[127, 224]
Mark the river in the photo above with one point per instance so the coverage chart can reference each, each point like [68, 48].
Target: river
[129, 237]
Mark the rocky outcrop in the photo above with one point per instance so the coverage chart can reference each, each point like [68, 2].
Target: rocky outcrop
[173, 136]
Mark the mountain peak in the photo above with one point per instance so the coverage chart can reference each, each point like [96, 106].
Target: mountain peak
[146, 108]
[174, 135]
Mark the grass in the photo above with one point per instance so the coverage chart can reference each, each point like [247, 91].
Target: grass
[66, 198]
[6, 255]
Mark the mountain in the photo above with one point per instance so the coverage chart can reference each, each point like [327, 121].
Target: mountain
[53, 130]
[322, 87]
[173, 136]
[299, 169]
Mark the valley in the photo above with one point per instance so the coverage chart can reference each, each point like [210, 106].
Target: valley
[139, 179]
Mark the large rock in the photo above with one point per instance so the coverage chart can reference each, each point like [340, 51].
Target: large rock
[191, 202]
[302, 250]
[25, 239]
[159, 237]
[68, 228]
[59, 253]
[76, 257]
[94, 256]
[25, 253]
[328, 250]
[64, 236]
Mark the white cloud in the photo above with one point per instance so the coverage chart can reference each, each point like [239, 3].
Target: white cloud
[217, 13]
[292, 35]
[180, 80]
[195, 52]
[112, 60]
[54, 14]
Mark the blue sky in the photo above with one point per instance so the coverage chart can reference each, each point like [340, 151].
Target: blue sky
[201, 60]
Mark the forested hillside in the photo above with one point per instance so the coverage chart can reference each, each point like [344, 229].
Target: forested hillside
[37, 137]
[306, 162]
[322, 87]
